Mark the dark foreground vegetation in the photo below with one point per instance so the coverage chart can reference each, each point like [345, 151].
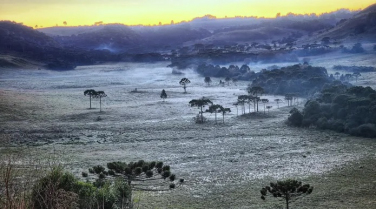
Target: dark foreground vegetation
[340, 108]
[54, 188]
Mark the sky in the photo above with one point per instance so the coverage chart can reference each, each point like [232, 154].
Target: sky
[47, 13]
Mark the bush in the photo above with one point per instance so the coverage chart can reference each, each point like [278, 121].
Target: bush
[322, 123]
[295, 118]
[365, 130]
[197, 119]
[60, 189]
[54, 190]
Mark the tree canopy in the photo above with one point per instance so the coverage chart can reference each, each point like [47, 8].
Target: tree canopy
[184, 82]
[289, 190]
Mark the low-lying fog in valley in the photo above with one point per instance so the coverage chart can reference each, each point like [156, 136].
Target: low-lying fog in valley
[220, 162]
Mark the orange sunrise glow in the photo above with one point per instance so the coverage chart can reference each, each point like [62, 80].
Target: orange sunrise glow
[48, 13]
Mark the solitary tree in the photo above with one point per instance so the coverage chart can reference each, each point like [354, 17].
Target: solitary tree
[140, 176]
[356, 75]
[228, 79]
[184, 82]
[90, 93]
[256, 91]
[208, 80]
[200, 103]
[224, 110]
[100, 94]
[214, 109]
[264, 101]
[289, 190]
[278, 101]
[235, 81]
[269, 107]
[163, 95]
[337, 74]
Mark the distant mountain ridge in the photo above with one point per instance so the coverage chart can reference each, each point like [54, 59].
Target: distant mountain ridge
[208, 37]
[360, 26]
[207, 30]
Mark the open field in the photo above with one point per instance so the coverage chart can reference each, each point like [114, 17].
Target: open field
[224, 165]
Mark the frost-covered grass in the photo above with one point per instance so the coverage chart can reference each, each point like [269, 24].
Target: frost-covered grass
[224, 165]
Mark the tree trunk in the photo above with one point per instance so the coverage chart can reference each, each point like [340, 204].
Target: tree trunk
[287, 203]
[100, 104]
[254, 106]
[215, 113]
[202, 118]
[264, 108]
[223, 118]
[90, 101]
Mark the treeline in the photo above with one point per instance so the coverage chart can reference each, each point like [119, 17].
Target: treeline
[355, 69]
[298, 79]
[340, 108]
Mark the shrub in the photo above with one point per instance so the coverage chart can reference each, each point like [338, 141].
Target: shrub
[295, 118]
[365, 130]
[322, 123]
[60, 189]
[54, 190]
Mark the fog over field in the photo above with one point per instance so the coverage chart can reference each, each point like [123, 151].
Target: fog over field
[48, 112]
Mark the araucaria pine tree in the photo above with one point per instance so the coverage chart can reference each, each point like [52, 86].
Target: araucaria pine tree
[289, 190]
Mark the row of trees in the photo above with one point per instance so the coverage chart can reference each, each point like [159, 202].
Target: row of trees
[91, 93]
[213, 108]
[254, 93]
